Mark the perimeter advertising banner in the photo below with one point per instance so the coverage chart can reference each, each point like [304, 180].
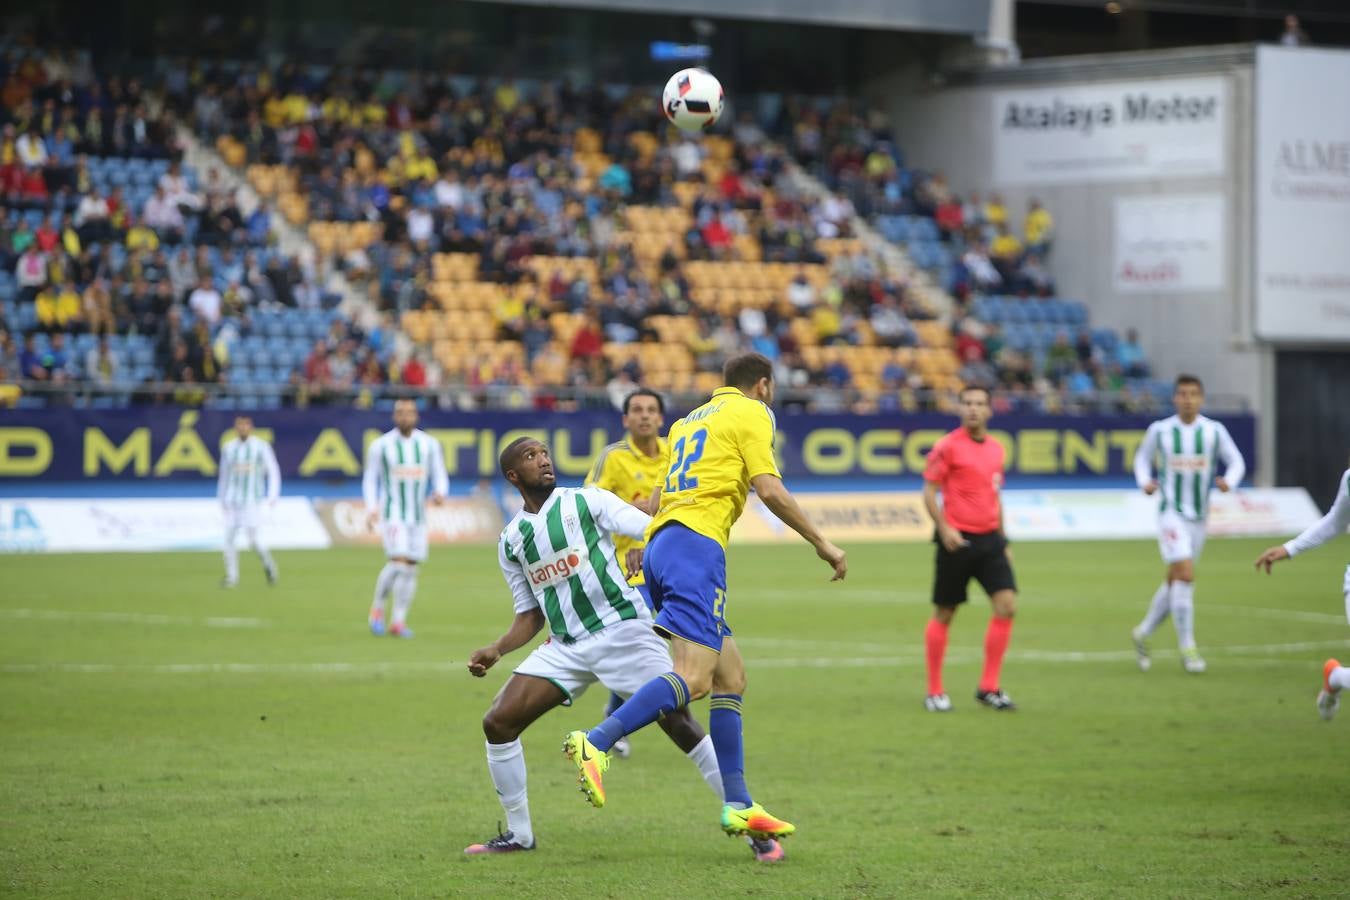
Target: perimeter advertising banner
[325, 445]
[1110, 131]
[1302, 194]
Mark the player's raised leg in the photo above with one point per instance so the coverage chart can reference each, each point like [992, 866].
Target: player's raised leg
[521, 700]
[1335, 678]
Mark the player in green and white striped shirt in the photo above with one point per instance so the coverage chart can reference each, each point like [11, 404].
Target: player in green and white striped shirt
[1187, 448]
[249, 478]
[557, 555]
[405, 469]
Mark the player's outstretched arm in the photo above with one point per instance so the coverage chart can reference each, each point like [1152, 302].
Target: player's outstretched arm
[1334, 523]
[1235, 467]
[523, 629]
[1143, 460]
[774, 494]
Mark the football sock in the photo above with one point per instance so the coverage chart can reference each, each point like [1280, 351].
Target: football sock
[995, 645]
[384, 583]
[705, 757]
[506, 765]
[1158, 610]
[724, 727]
[1339, 679]
[1183, 613]
[261, 549]
[935, 643]
[663, 694]
[231, 555]
[612, 704]
[404, 589]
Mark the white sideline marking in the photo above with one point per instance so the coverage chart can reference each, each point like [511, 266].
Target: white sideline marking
[1248, 654]
[126, 618]
[1288, 615]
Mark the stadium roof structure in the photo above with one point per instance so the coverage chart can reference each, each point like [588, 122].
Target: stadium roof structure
[942, 16]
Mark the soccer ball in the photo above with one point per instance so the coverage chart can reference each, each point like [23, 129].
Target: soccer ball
[693, 99]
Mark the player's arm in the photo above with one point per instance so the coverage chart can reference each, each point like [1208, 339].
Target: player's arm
[1334, 523]
[273, 473]
[615, 515]
[755, 439]
[1235, 465]
[1143, 460]
[440, 480]
[223, 474]
[370, 484]
[934, 472]
[774, 494]
[527, 623]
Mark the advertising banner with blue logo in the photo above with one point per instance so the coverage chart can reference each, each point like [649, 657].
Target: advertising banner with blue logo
[159, 443]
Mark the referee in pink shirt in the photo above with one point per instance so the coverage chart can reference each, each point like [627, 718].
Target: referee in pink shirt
[966, 467]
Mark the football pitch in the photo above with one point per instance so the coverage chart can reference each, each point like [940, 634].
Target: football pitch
[161, 737]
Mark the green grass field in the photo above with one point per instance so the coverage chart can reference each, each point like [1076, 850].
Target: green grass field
[163, 738]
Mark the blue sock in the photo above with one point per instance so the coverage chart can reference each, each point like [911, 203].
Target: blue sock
[663, 694]
[612, 704]
[724, 724]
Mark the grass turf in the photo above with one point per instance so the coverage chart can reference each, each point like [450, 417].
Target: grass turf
[164, 738]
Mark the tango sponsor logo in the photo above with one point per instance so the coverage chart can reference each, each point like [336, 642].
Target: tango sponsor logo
[555, 569]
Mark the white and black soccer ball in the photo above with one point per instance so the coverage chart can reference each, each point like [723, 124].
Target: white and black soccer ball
[693, 100]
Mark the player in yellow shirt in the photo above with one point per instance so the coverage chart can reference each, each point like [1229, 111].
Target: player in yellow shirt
[633, 469]
[716, 454]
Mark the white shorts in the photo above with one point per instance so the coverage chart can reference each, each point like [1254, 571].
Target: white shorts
[405, 540]
[1179, 538]
[242, 517]
[623, 658]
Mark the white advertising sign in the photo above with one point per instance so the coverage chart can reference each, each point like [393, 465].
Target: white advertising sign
[1302, 194]
[1169, 244]
[1110, 131]
[120, 526]
[1120, 514]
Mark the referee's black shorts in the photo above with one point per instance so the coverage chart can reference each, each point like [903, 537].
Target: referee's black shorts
[984, 558]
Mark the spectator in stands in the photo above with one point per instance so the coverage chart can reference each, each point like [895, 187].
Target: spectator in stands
[717, 237]
[342, 367]
[800, 293]
[1131, 356]
[205, 301]
[995, 213]
[176, 189]
[589, 341]
[980, 268]
[59, 309]
[164, 216]
[1038, 228]
[414, 372]
[889, 324]
[316, 366]
[30, 273]
[48, 235]
[30, 149]
[825, 321]
[98, 308]
[140, 236]
[1061, 357]
[57, 360]
[950, 217]
[33, 363]
[1005, 251]
[101, 365]
[1087, 350]
[1294, 35]
[92, 219]
[1033, 277]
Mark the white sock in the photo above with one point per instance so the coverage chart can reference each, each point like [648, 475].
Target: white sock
[1183, 613]
[705, 757]
[384, 583]
[231, 555]
[1158, 609]
[1339, 679]
[506, 765]
[404, 589]
[263, 553]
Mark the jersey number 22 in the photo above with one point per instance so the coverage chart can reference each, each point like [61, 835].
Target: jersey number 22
[688, 450]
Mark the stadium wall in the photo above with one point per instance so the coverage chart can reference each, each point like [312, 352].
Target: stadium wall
[1192, 307]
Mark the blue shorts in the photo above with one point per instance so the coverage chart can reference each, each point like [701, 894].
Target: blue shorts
[646, 593]
[687, 577]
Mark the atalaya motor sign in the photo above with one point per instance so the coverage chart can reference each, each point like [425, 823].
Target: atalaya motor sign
[1110, 131]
